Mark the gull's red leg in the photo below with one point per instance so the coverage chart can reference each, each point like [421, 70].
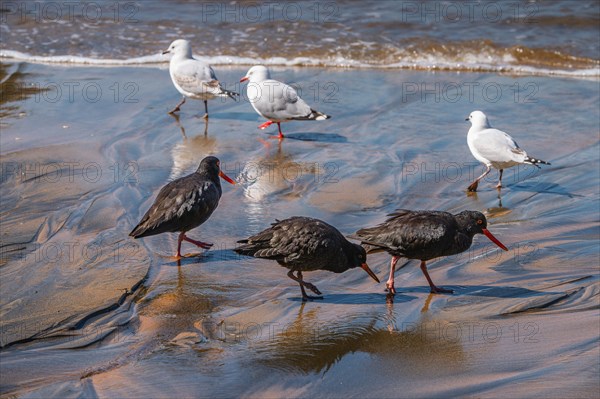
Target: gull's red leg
[265, 125]
[280, 134]
[176, 109]
[473, 186]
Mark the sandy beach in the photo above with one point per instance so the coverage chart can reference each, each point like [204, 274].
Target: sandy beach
[89, 312]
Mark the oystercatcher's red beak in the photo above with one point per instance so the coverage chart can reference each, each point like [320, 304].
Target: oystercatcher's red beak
[493, 239]
[365, 267]
[245, 78]
[226, 178]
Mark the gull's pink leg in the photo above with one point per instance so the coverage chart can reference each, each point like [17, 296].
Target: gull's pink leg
[499, 185]
[176, 109]
[473, 186]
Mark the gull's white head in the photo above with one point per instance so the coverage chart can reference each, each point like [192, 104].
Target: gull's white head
[257, 73]
[479, 120]
[180, 47]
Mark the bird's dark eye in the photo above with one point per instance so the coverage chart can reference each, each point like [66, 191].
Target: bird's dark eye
[479, 221]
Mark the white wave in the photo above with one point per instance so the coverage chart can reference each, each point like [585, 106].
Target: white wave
[79, 60]
[475, 63]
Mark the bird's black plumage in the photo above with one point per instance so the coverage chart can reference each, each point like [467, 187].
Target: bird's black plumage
[305, 244]
[424, 235]
[183, 204]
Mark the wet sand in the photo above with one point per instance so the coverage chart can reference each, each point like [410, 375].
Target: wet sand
[87, 311]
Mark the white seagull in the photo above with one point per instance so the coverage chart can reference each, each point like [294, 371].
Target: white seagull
[193, 78]
[276, 101]
[494, 148]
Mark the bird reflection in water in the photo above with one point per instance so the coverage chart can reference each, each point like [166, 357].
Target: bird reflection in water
[495, 211]
[175, 306]
[316, 341]
[390, 317]
[187, 153]
[276, 174]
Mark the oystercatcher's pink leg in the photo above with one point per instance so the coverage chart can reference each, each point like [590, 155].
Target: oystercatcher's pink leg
[389, 285]
[204, 245]
[434, 289]
[312, 287]
[183, 237]
[179, 239]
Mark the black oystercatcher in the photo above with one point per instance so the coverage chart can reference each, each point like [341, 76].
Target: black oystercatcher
[424, 235]
[184, 204]
[304, 244]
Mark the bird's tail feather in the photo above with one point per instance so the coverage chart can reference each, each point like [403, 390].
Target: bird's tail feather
[319, 116]
[313, 116]
[137, 232]
[247, 249]
[230, 94]
[535, 161]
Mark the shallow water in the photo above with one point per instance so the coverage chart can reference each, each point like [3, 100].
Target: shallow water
[86, 311]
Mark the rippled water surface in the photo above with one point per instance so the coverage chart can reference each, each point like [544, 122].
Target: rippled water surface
[539, 37]
[86, 311]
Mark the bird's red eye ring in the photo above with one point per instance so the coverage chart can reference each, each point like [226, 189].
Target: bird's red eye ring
[479, 221]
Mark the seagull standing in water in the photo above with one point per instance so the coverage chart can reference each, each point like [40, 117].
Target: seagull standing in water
[494, 148]
[193, 78]
[276, 101]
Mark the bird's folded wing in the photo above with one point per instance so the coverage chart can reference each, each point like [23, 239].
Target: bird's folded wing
[176, 203]
[197, 78]
[281, 101]
[496, 145]
[405, 229]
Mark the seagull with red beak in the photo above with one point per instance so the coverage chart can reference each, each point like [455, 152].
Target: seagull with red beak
[276, 101]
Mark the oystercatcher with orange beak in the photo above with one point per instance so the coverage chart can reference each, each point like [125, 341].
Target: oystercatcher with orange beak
[424, 235]
[303, 244]
[184, 204]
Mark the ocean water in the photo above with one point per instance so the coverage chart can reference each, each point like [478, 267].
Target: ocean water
[86, 144]
[540, 37]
